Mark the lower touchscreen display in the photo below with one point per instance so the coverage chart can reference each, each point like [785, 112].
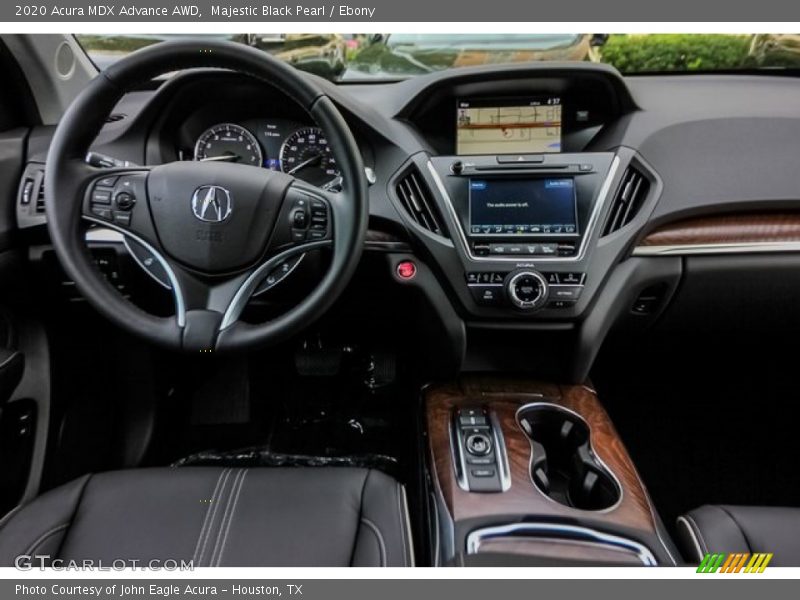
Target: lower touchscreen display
[508, 206]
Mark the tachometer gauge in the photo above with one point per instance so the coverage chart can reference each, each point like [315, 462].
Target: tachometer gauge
[229, 142]
[307, 155]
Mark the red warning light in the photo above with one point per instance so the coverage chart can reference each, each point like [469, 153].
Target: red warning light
[406, 270]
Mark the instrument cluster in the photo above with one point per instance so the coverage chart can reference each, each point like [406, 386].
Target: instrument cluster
[279, 144]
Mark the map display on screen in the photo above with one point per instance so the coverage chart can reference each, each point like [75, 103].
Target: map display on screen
[519, 126]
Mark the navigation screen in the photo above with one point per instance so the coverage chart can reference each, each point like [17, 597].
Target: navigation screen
[522, 206]
[532, 125]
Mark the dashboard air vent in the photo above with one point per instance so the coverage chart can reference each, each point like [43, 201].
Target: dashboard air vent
[40, 198]
[418, 202]
[31, 191]
[630, 197]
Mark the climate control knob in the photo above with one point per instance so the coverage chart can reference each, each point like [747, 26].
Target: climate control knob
[527, 290]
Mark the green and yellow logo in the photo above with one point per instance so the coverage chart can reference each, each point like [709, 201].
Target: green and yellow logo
[735, 563]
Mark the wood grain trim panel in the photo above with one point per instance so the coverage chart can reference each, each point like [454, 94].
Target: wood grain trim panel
[505, 397]
[727, 229]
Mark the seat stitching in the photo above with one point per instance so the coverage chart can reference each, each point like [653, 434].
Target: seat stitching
[208, 513]
[407, 526]
[379, 536]
[43, 538]
[735, 522]
[78, 502]
[360, 514]
[402, 527]
[692, 537]
[224, 519]
[213, 517]
[233, 512]
[225, 516]
[699, 533]
[10, 514]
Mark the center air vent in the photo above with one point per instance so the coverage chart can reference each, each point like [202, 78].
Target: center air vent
[630, 197]
[418, 202]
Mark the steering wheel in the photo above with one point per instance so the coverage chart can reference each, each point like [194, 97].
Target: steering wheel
[217, 229]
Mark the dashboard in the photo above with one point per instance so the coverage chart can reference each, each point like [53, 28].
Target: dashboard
[530, 197]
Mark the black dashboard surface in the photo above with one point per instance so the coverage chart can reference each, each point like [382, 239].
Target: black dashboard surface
[698, 145]
[718, 142]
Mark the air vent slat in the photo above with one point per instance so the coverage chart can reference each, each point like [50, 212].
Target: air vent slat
[628, 200]
[40, 197]
[415, 197]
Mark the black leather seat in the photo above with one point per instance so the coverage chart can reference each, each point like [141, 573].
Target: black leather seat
[751, 529]
[218, 517]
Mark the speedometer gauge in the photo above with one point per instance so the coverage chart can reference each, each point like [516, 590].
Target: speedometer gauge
[229, 142]
[307, 155]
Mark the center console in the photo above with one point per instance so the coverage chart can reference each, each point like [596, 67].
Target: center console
[525, 224]
[524, 468]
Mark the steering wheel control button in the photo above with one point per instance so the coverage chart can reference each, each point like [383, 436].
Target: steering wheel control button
[108, 182]
[279, 273]
[124, 201]
[527, 290]
[122, 218]
[299, 219]
[101, 196]
[148, 262]
[308, 219]
[103, 213]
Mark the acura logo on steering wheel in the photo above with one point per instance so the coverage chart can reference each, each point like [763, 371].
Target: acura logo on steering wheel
[212, 203]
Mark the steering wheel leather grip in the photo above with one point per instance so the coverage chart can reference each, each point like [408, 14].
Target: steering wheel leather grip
[214, 264]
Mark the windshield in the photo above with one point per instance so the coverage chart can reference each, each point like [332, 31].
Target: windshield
[358, 57]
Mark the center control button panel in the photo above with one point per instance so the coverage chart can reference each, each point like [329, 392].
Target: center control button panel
[479, 453]
[532, 289]
[546, 249]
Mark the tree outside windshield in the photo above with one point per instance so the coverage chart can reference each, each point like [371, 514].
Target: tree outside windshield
[359, 57]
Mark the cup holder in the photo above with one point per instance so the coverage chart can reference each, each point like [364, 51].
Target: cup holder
[563, 464]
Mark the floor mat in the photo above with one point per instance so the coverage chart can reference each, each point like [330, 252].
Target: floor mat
[705, 425]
